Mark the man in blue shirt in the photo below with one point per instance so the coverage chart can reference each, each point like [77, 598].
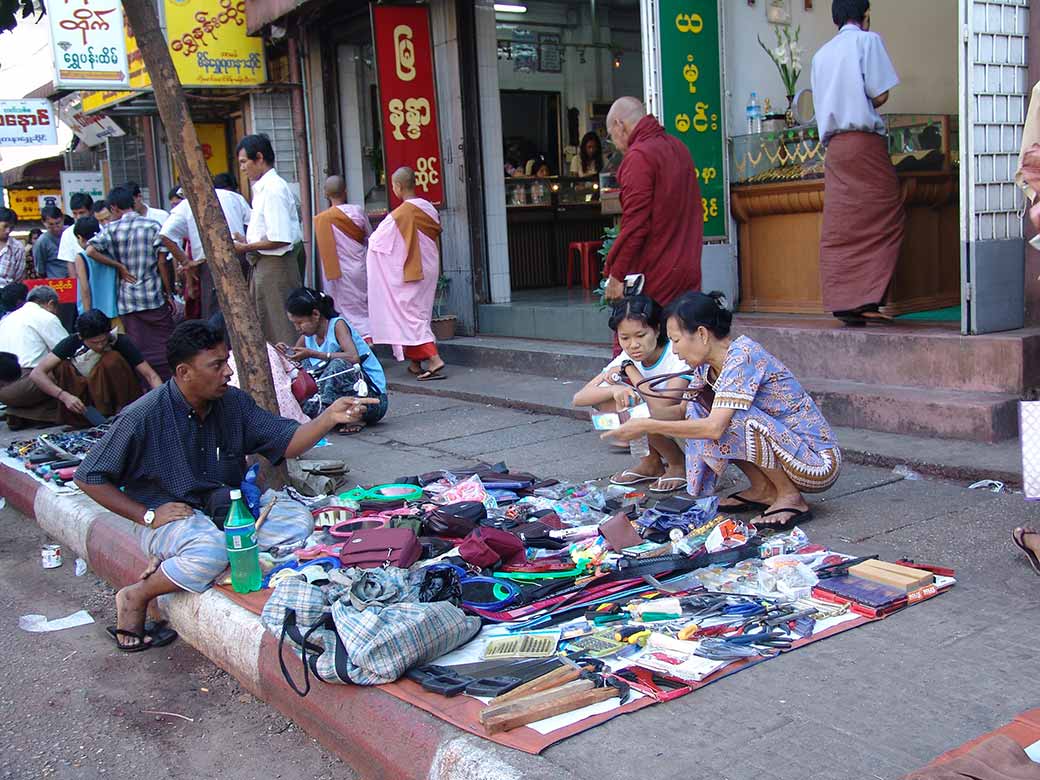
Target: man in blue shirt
[174, 452]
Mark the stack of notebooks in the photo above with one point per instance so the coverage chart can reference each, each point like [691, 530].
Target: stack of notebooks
[878, 588]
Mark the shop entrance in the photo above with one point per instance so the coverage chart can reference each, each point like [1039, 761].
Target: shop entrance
[560, 66]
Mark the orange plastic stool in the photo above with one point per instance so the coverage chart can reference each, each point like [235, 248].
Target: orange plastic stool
[588, 257]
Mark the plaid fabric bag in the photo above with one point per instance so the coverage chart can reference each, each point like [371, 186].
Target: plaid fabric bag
[380, 644]
[299, 614]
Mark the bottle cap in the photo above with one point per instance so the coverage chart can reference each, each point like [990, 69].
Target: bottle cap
[236, 495]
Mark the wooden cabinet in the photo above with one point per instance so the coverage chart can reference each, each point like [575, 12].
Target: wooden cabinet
[779, 229]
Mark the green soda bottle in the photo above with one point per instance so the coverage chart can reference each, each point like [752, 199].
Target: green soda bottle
[242, 551]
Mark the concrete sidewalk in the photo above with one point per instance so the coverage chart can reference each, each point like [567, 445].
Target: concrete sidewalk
[875, 702]
[955, 459]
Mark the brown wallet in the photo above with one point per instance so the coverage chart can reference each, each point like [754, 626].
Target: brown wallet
[619, 532]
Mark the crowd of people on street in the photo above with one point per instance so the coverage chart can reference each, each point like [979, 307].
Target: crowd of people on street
[140, 270]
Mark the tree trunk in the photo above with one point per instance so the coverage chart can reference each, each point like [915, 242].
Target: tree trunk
[240, 315]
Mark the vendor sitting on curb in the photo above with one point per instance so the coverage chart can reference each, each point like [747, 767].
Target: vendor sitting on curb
[761, 419]
[93, 367]
[176, 452]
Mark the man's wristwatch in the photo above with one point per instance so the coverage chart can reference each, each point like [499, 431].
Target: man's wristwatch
[626, 364]
[149, 517]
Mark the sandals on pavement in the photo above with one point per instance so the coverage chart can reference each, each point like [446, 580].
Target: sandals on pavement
[429, 376]
[796, 516]
[743, 505]
[1018, 536]
[635, 478]
[666, 485]
[154, 634]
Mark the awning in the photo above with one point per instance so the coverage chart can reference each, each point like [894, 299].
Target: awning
[38, 172]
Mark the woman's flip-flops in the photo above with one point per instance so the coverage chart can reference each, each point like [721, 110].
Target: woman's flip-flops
[1018, 536]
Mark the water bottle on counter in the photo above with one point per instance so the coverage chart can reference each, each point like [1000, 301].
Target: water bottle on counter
[754, 115]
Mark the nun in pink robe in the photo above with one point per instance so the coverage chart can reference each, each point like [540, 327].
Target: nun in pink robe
[350, 291]
[403, 266]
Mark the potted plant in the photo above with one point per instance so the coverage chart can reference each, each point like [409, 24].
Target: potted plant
[443, 325]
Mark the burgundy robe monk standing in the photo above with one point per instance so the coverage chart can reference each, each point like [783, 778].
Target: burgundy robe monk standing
[662, 219]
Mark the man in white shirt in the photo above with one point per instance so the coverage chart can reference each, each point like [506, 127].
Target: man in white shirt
[30, 333]
[182, 227]
[863, 213]
[273, 242]
[142, 208]
[80, 205]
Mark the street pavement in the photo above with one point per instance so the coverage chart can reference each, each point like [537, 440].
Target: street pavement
[875, 702]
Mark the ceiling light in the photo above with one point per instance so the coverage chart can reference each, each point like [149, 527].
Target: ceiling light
[510, 8]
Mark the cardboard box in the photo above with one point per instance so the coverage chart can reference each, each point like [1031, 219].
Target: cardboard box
[904, 578]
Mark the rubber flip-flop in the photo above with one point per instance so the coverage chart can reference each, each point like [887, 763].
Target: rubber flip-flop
[797, 516]
[157, 632]
[1018, 536]
[429, 376]
[878, 318]
[414, 371]
[658, 486]
[639, 479]
[745, 505]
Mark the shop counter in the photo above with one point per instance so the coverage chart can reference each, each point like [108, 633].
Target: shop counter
[544, 216]
[777, 201]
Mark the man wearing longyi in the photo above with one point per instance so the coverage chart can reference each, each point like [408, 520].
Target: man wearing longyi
[169, 461]
[863, 212]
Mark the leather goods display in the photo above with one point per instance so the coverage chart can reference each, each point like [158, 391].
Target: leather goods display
[487, 546]
[455, 520]
[368, 549]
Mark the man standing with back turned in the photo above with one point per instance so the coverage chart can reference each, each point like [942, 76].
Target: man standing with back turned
[862, 203]
[662, 219]
[403, 267]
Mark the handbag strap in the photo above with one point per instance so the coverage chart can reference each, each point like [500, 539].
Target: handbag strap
[289, 627]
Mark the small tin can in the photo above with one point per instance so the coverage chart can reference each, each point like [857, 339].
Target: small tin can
[50, 556]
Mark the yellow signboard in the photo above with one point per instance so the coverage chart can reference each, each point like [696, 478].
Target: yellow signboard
[26, 203]
[209, 44]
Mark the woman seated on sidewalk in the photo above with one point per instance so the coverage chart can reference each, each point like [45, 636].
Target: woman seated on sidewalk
[646, 353]
[333, 352]
[93, 367]
[761, 419]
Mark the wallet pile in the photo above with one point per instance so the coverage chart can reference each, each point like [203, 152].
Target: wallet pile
[556, 605]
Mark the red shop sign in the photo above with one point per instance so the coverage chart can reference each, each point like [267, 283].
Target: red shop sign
[66, 288]
[408, 97]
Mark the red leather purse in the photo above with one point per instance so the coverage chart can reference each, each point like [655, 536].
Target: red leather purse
[372, 548]
[303, 386]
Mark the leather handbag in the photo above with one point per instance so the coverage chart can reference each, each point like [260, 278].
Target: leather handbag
[455, 520]
[369, 549]
[303, 386]
[485, 547]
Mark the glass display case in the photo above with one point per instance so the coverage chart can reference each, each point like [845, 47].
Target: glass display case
[917, 142]
[552, 190]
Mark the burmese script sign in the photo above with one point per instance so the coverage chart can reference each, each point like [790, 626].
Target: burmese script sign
[27, 123]
[87, 43]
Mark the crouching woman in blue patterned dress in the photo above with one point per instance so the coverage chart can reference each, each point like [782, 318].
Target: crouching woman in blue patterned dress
[743, 407]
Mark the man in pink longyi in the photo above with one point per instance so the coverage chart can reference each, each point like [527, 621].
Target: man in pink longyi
[403, 266]
[342, 232]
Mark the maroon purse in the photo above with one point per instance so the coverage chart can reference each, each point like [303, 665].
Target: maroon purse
[486, 547]
[370, 549]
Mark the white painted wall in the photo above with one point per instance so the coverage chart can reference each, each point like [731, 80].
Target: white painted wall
[921, 36]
